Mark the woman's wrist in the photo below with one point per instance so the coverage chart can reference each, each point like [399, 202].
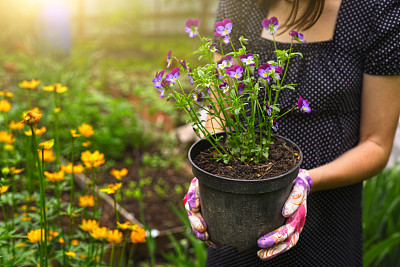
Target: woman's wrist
[315, 175]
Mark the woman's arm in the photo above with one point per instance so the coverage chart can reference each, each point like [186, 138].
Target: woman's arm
[380, 108]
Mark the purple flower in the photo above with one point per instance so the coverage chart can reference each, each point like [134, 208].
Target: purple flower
[303, 105]
[225, 62]
[269, 109]
[213, 48]
[297, 36]
[275, 71]
[271, 25]
[173, 76]
[164, 83]
[235, 72]
[190, 77]
[274, 124]
[263, 70]
[240, 88]
[247, 59]
[223, 28]
[191, 27]
[219, 77]
[198, 96]
[224, 87]
[183, 63]
[158, 79]
[169, 59]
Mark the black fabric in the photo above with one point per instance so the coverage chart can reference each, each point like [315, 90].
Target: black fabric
[366, 40]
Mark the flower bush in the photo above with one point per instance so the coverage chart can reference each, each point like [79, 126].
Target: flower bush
[238, 92]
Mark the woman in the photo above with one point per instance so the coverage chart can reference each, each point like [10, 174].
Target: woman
[350, 74]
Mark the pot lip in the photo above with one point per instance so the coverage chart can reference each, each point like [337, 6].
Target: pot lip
[248, 181]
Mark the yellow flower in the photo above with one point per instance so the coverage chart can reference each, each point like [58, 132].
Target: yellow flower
[6, 137]
[73, 133]
[57, 86]
[38, 131]
[138, 235]
[99, 233]
[114, 236]
[26, 217]
[61, 89]
[47, 145]
[57, 110]
[16, 125]
[76, 169]
[92, 160]
[74, 242]
[48, 155]
[61, 240]
[70, 253]
[86, 201]
[55, 177]
[8, 147]
[119, 174]
[125, 225]
[82, 256]
[87, 143]
[6, 93]
[21, 244]
[112, 188]
[4, 189]
[31, 198]
[33, 84]
[5, 106]
[34, 235]
[32, 118]
[86, 130]
[88, 225]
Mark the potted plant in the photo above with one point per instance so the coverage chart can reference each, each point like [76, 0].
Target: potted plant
[245, 173]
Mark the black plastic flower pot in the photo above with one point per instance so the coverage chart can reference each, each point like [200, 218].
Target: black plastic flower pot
[238, 212]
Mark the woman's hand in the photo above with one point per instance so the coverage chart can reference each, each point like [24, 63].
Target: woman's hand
[295, 209]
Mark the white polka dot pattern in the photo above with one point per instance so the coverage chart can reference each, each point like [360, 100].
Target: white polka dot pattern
[366, 40]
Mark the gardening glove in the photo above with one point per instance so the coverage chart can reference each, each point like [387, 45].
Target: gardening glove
[192, 206]
[295, 209]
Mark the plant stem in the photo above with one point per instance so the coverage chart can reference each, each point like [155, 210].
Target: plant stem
[112, 255]
[131, 253]
[57, 146]
[115, 207]
[122, 253]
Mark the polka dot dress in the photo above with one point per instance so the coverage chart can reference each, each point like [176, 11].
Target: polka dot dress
[366, 40]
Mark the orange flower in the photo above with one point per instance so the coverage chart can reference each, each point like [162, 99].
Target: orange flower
[70, 253]
[16, 125]
[55, 177]
[38, 131]
[14, 170]
[47, 145]
[114, 236]
[111, 189]
[57, 86]
[4, 189]
[33, 84]
[5, 106]
[8, 147]
[48, 155]
[76, 169]
[119, 174]
[73, 133]
[34, 235]
[6, 93]
[138, 235]
[74, 242]
[125, 225]
[92, 160]
[61, 240]
[57, 110]
[86, 201]
[32, 118]
[87, 143]
[6, 137]
[88, 225]
[86, 130]
[99, 233]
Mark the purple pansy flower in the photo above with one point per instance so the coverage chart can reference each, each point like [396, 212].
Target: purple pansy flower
[191, 27]
[213, 48]
[247, 59]
[190, 77]
[225, 62]
[183, 63]
[297, 36]
[275, 71]
[158, 79]
[198, 96]
[224, 87]
[173, 76]
[164, 83]
[240, 88]
[269, 109]
[169, 59]
[235, 72]
[274, 125]
[271, 25]
[217, 74]
[263, 70]
[224, 27]
[303, 105]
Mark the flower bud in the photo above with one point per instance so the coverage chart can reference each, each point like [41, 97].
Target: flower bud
[32, 118]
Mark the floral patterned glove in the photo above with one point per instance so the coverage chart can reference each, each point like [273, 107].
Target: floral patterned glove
[192, 205]
[295, 209]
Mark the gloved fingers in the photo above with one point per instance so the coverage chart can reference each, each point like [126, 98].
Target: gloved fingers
[295, 199]
[197, 222]
[298, 218]
[269, 253]
[305, 176]
[203, 236]
[192, 197]
[275, 237]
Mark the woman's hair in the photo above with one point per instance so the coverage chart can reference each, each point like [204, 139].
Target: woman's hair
[313, 11]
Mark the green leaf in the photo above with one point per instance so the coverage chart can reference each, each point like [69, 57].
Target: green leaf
[380, 248]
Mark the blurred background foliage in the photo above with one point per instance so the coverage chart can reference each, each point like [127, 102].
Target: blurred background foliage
[107, 53]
